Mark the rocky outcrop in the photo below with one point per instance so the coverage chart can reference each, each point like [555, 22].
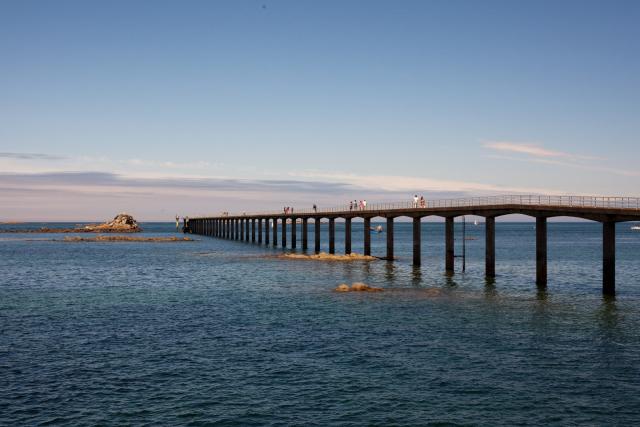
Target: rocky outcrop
[126, 239]
[323, 256]
[357, 287]
[122, 223]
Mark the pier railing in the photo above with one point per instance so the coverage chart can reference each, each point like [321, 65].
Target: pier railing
[517, 199]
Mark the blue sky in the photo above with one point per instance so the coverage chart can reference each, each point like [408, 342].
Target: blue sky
[301, 102]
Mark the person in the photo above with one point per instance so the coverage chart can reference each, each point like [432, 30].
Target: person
[351, 206]
[291, 210]
[315, 208]
[177, 223]
[415, 200]
[364, 204]
[423, 203]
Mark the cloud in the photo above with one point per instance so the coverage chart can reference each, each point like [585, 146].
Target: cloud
[533, 150]
[30, 156]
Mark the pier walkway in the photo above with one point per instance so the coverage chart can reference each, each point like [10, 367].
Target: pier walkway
[257, 227]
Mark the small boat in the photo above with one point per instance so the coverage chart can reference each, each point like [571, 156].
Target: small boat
[636, 227]
[475, 222]
[378, 229]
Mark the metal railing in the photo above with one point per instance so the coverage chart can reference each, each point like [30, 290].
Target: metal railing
[517, 199]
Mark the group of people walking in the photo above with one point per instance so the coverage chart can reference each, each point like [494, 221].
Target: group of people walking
[288, 210]
[356, 205]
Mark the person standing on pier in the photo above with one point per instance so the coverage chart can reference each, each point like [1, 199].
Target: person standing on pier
[177, 223]
[315, 208]
[415, 200]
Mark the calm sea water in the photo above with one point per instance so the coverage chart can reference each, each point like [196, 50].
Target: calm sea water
[219, 332]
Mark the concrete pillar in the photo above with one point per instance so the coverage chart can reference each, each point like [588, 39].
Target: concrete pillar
[227, 229]
[294, 230]
[347, 236]
[389, 239]
[246, 230]
[238, 229]
[490, 247]
[448, 239]
[317, 235]
[274, 230]
[367, 236]
[267, 227]
[332, 235]
[305, 235]
[417, 240]
[253, 230]
[541, 251]
[242, 228]
[284, 232]
[609, 258]
[259, 230]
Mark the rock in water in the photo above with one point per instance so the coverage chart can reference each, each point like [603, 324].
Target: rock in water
[122, 223]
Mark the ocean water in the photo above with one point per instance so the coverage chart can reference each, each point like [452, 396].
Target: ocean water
[216, 332]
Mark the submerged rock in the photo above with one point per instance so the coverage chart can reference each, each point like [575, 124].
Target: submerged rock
[357, 287]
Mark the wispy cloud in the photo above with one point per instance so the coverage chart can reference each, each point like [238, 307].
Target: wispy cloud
[533, 150]
[30, 156]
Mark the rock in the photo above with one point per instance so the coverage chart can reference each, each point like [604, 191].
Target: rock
[122, 223]
[357, 287]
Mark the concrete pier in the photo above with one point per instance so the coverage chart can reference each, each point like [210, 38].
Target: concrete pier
[389, 238]
[541, 252]
[490, 247]
[332, 235]
[449, 248]
[284, 232]
[609, 258]
[294, 229]
[305, 234]
[606, 210]
[417, 237]
[367, 236]
[253, 230]
[274, 230]
[347, 236]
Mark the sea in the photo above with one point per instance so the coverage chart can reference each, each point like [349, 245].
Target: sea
[228, 333]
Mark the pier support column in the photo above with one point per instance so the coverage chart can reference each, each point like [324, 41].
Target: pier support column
[317, 235]
[332, 236]
[259, 230]
[274, 230]
[389, 239]
[242, 229]
[284, 232]
[294, 230]
[253, 230]
[417, 241]
[305, 236]
[367, 236]
[347, 236]
[267, 226]
[238, 229]
[227, 228]
[448, 240]
[541, 252]
[246, 230]
[490, 247]
[609, 258]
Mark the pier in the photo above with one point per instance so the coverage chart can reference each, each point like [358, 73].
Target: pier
[606, 210]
